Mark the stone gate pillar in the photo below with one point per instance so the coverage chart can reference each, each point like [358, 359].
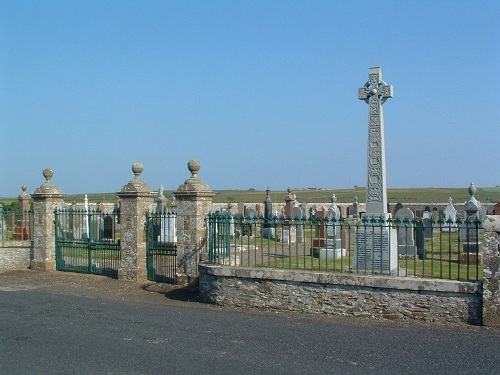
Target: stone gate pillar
[194, 199]
[136, 198]
[491, 272]
[46, 199]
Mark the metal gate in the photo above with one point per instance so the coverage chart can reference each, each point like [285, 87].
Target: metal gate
[87, 241]
[161, 252]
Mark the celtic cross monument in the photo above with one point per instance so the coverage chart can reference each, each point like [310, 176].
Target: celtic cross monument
[375, 92]
[376, 241]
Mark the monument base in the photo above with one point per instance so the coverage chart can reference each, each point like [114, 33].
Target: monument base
[406, 250]
[376, 250]
[332, 253]
[269, 233]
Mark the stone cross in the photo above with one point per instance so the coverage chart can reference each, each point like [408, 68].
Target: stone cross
[375, 92]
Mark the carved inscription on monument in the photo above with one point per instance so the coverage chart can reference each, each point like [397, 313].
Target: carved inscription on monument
[375, 92]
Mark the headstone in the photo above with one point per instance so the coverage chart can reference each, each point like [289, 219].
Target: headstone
[168, 228]
[469, 233]
[333, 245]
[428, 228]
[241, 209]
[268, 231]
[109, 227]
[419, 238]
[319, 239]
[376, 246]
[298, 216]
[435, 214]
[405, 228]
[450, 217]
[354, 211]
[399, 206]
[289, 204]
[161, 201]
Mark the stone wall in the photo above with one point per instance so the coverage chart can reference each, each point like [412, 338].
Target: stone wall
[16, 254]
[375, 297]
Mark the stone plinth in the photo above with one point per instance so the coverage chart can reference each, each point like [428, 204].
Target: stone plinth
[136, 199]
[46, 199]
[375, 250]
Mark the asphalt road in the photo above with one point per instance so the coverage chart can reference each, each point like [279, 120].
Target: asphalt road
[75, 327]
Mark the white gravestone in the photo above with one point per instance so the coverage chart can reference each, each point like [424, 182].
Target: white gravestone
[450, 217]
[333, 246]
[168, 228]
[376, 245]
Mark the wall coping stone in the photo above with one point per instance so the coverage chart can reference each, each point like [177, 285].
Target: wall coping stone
[359, 280]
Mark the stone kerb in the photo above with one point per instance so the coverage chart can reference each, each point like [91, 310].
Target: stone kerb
[491, 272]
[136, 198]
[46, 199]
[194, 200]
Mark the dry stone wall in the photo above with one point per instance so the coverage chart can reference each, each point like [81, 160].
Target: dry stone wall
[378, 297]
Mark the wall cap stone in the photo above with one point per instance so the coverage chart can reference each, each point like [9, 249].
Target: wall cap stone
[368, 281]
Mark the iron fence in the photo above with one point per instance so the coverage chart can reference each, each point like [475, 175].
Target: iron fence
[413, 248]
[87, 241]
[16, 225]
[161, 250]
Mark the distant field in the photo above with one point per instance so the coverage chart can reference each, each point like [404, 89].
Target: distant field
[421, 195]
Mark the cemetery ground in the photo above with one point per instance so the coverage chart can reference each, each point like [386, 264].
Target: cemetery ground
[442, 258]
[58, 322]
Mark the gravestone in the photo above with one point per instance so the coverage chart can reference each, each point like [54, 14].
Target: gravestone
[428, 228]
[354, 211]
[298, 215]
[268, 231]
[168, 228]
[376, 246]
[319, 239]
[469, 232]
[289, 231]
[450, 217]
[109, 227]
[419, 238]
[161, 201]
[405, 228]
[435, 214]
[333, 245]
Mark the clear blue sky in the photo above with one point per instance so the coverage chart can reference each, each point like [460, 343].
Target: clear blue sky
[262, 93]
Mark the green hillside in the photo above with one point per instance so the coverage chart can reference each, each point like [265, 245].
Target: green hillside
[420, 195]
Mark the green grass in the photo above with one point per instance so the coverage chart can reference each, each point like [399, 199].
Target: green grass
[429, 268]
[82, 252]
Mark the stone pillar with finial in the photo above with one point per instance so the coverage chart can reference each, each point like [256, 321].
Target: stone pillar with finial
[470, 229]
[194, 200]
[46, 199]
[136, 199]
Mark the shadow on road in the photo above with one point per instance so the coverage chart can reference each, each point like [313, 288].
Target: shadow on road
[173, 292]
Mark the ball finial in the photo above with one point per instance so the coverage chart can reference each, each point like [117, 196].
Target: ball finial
[48, 173]
[137, 168]
[194, 166]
